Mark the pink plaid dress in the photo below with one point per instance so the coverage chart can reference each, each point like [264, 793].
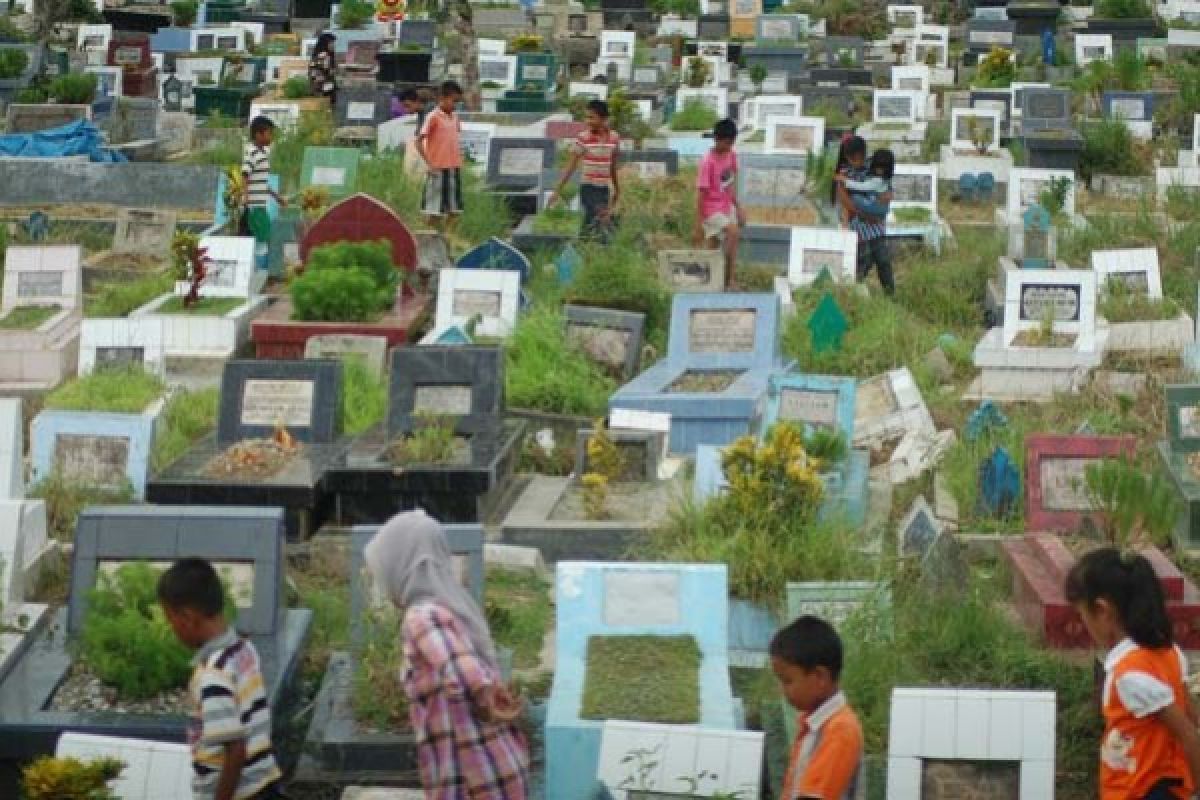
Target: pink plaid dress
[460, 757]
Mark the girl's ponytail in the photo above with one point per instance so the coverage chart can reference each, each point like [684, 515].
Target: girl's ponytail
[1129, 583]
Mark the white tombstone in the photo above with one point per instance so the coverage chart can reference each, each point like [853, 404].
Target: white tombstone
[617, 44]
[1071, 291]
[476, 140]
[592, 91]
[795, 136]
[153, 770]
[915, 186]
[1025, 185]
[501, 69]
[897, 106]
[492, 47]
[42, 275]
[231, 270]
[489, 294]
[759, 110]
[286, 116]
[1091, 47]
[716, 99]
[1137, 267]
[961, 120]
[123, 340]
[813, 250]
[913, 78]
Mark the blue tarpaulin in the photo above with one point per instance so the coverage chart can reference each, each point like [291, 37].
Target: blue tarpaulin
[79, 138]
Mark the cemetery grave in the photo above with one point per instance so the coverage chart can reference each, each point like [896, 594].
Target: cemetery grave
[696, 465]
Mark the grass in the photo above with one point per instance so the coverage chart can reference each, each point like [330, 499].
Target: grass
[27, 318]
[216, 306]
[322, 583]
[118, 299]
[187, 416]
[1126, 306]
[519, 613]
[118, 390]
[66, 499]
[364, 396]
[543, 371]
[558, 222]
[642, 678]
[694, 116]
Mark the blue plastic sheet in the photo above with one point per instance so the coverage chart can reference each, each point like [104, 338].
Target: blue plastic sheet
[73, 139]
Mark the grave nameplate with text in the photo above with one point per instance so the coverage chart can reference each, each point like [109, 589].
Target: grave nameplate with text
[724, 331]
[277, 402]
[443, 399]
[1064, 484]
[39, 284]
[814, 407]
[469, 302]
[1062, 303]
[91, 460]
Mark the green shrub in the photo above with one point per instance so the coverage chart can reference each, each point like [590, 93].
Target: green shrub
[694, 116]
[184, 12]
[34, 95]
[124, 390]
[364, 396]
[1122, 9]
[544, 371]
[374, 257]
[74, 87]
[355, 13]
[334, 295]
[1130, 71]
[118, 299]
[12, 63]
[296, 87]
[625, 277]
[187, 416]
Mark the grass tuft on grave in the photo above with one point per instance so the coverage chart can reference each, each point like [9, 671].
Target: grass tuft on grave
[364, 396]
[519, 613]
[545, 372]
[118, 299]
[642, 678]
[623, 276]
[186, 417]
[377, 694]
[431, 441]
[1118, 304]
[65, 499]
[27, 318]
[211, 306]
[557, 222]
[127, 391]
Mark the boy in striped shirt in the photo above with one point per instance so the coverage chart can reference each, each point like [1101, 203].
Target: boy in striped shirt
[597, 148]
[230, 728]
[256, 169]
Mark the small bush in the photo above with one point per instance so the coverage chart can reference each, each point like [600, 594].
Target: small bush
[996, 70]
[184, 12]
[334, 295]
[296, 87]
[123, 390]
[1108, 149]
[364, 396]
[374, 257]
[623, 277]
[74, 87]
[694, 116]
[545, 372]
[118, 299]
[355, 13]
[52, 778]
[1122, 9]
[12, 63]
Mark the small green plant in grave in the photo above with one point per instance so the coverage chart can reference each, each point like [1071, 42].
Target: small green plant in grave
[996, 69]
[758, 76]
[75, 87]
[296, 87]
[184, 12]
[377, 694]
[432, 440]
[13, 63]
[65, 499]
[364, 400]
[1122, 9]
[694, 116]
[913, 215]
[1139, 506]
[826, 446]
[697, 72]
[119, 389]
[605, 465]
[557, 222]
[355, 13]
[1054, 196]
[68, 778]
[345, 282]
[27, 318]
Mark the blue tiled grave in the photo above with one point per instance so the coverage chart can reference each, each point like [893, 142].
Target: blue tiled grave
[605, 599]
[244, 543]
[734, 334]
[305, 396]
[465, 382]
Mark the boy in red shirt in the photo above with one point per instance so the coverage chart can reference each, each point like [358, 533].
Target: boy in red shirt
[439, 147]
[717, 211]
[599, 190]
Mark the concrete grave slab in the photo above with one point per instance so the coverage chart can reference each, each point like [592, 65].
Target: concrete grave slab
[144, 231]
[611, 338]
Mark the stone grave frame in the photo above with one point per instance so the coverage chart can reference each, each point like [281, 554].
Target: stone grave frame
[905, 20]
[510, 164]
[476, 140]
[1129, 106]
[1025, 185]
[232, 271]
[334, 168]
[836, 46]
[132, 220]
[588, 90]
[836, 401]
[122, 341]
[995, 100]
[916, 186]
[1043, 108]
[813, 250]
[1091, 47]
[498, 321]
[988, 725]
[1183, 417]
[286, 116]
[911, 77]
[795, 136]
[960, 128]
[1127, 263]
[323, 423]
[715, 98]
[761, 109]
[984, 34]
[617, 44]
[896, 106]
[627, 325]
[692, 270]
[29, 271]
[1043, 512]
[501, 69]
[772, 181]
[1056, 285]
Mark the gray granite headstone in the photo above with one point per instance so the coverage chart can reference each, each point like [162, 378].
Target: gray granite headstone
[464, 381]
[611, 338]
[371, 351]
[257, 396]
[518, 163]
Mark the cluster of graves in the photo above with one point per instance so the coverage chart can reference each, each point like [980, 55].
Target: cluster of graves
[279, 467]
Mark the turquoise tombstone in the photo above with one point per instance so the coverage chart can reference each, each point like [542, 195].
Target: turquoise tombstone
[1035, 237]
[827, 325]
[999, 484]
[334, 168]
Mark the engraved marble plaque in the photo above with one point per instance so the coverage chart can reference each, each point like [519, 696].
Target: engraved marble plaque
[1128, 107]
[1095, 53]
[985, 128]
[641, 598]
[469, 302]
[911, 84]
[686, 272]
[912, 189]
[1064, 484]
[270, 402]
[724, 331]
[764, 111]
[646, 76]
[794, 137]
[119, 357]
[443, 399]
[648, 170]
[493, 70]
[535, 72]
[91, 460]
[808, 405]
[894, 108]
[816, 260]
[609, 346]
[775, 29]
[39, 284]
[759, 182]
[1189, 422]
[521, 161]
[1062, 302]
[362, 111]
[328, 176]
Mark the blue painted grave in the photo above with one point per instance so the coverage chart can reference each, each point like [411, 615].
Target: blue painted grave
[495, 254]
[825, 401]
[567, 263]
[999, 484]
[984, 420]
[624, 599]
[713, 338]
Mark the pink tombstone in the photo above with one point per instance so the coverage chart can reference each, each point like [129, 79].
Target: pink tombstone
[564, 129]
[1055, 483]
[362, 218]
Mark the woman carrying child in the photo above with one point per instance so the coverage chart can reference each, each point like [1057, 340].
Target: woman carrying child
[862, 192]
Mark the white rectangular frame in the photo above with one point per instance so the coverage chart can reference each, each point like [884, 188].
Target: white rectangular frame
[238, 250]
[928, 170]
[916, 101]
[1130, 260]
[143, 332]
[772, 147]
[1084, 328]
[1014, 206]
[831, 239]
[993, 114]
[1085, 42]
[506, 282]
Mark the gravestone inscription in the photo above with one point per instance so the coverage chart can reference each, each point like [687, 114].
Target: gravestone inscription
[1062, 303]
[723, 331]
[443, 399]
[1064, 484]
[90, 460]
[816, 408]
[277, 402]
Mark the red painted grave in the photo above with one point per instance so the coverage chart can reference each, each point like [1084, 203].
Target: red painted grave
[1055, 485]
[358, 218]
[131, 52]
[1040, 563]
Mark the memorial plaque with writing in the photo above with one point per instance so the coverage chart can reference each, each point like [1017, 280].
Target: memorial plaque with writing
[775, 29]
[971, 127]
[360, 111]
[991, 38]
[911, 84]
[762, 182]
[1138, 282]
[328, 176]
[222, 273]
[722, 331]
[795, 137]
[1128, 107]
[227, 42]
[685, 272]
[816, 260]
[270, 403]
[91, 460]
[618, 49]
[894, 108]
[1064, 484]
[647, 76]
[535, 72]
[127, 56]
[807, 405]
[521, 161]
[912, 188]
[1037, 244]
[493, 70]
[1038, 300]
[649, 170]
[767, 110]
[119, 357]
[443, 399]
[609, 346]
[39, 284]
[904, 19]
[469, 302]
[1095, 53]
[1189, 422]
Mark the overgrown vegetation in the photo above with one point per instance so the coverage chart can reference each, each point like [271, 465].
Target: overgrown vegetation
[126, 390]
[27, 318]
[545, 371]
[519, 613]
[642, 678]
[345, 282]
[68, 778]
[364, 396]
[66, 498]
[118, 299]
[694, 116]
[1108, 149]
[187, 416]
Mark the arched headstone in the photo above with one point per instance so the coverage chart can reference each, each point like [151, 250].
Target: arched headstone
[362, 218]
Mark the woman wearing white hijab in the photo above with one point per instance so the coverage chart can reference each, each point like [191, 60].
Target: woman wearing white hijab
[461, 713]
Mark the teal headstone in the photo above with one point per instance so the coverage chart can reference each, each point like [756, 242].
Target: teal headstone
[1035, 235]
[827, 325]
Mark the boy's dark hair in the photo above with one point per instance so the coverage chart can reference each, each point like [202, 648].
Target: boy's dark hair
[408, 95]
[599, 108]
[725, 129]
[451, 89]
[850, 146]
[192, 583]
[260, 124]
[884, 161]
[809, 642]
[1129, 583]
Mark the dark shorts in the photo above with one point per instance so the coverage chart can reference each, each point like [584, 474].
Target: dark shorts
[597, 221]
[443, 192]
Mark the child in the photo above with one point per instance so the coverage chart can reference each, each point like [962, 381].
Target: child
[411, 106]
[408, 104]
[438, 145]
[717, 211]
[871, 197]
[597, 148]
[1150, 749]
[322, 69]
[230, 729]
[256, 168]
[461, 712]
[826, 758]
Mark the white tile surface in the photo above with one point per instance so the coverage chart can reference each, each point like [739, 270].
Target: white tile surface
[154, 770]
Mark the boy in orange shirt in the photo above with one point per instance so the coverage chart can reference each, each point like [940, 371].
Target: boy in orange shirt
[439, 147]
[826, 759]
